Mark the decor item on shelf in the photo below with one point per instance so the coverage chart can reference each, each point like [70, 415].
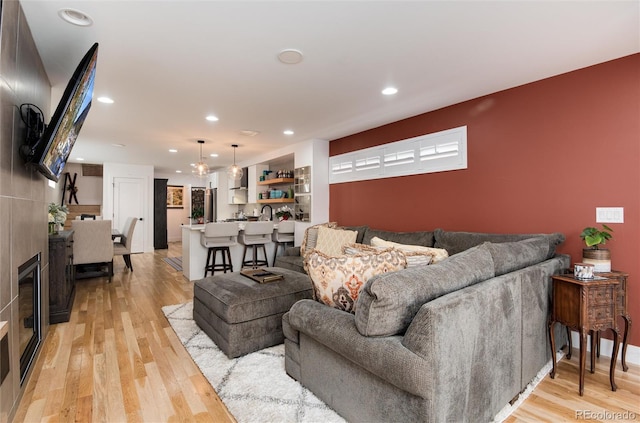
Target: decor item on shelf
[234, 172]
[198, 214]
[593, 239]
[201, 169]
[57, 217]
[284, 213]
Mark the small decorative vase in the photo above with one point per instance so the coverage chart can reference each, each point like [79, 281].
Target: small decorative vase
[52, 228]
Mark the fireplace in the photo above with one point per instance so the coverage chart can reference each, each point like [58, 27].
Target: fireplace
[30, 331]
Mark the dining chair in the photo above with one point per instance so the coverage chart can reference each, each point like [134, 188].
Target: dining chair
[122, 247]
[92, 245]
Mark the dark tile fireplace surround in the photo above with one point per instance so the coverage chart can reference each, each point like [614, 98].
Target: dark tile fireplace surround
[24, 196]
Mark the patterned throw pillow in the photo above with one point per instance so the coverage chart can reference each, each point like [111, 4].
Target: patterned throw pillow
[330, 241]
[311, 237]
[414, 258]
[337, 281]
[437, 254]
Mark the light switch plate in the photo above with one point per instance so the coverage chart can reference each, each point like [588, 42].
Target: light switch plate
[610, 214]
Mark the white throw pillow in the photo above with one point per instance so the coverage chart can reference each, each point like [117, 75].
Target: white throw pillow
[437, 254]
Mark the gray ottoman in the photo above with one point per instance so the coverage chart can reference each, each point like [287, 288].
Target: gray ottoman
[242, 316]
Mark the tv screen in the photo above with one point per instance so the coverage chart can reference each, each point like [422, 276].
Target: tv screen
[51, 152]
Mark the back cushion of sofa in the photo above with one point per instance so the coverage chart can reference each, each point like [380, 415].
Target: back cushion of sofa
[388, 302]
[360, 229]
[510, 256]
[455, 242]
[412, 238]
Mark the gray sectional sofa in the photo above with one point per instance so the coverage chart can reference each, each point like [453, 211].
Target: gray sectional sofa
[452, 341]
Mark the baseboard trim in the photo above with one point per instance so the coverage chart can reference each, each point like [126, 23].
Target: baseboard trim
[606, 347]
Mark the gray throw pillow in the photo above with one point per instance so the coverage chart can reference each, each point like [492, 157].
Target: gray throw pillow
[455, 242]
[388, 303]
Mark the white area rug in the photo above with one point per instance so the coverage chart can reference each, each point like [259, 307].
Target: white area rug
[255, 387]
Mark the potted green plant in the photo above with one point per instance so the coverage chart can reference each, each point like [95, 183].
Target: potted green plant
[594, 254]
[197, 214]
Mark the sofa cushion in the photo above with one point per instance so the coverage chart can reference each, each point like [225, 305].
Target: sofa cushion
[510, 256]
[330, 241]
[411, 238]
[437, 254]
[455, 242]
[337, 281]
[310, 237]
[388, 302]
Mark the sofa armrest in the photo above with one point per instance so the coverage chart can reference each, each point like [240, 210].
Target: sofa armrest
[292, 251]
[385, 357]
[474, 337]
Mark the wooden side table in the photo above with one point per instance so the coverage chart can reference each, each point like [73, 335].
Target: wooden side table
[622, 312]
[586, 306]
[621, 307]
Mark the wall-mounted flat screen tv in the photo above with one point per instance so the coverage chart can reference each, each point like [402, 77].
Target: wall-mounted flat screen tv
[49, 155]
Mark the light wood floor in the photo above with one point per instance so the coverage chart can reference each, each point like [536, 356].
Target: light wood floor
[118, 360]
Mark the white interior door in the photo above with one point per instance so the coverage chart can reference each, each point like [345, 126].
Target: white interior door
[128, 201]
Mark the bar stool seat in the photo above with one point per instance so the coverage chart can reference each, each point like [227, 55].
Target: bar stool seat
[285, 234]
[219, 237]
[255, 235]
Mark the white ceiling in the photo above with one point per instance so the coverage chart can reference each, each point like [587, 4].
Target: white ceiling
[168, 64]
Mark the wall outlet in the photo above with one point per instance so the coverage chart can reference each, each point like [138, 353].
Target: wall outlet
[609, 214]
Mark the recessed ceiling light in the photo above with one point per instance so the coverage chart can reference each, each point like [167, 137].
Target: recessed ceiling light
[173, 150]
[178, 171]
[212, 118]
[105, 100]
[290, 56]
[213, 155]
[249, 133]
[118, 145]
[389, 91]
[75, 17]
[288, 132]
[80, 159]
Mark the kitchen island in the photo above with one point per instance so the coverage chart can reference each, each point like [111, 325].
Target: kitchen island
[194, 255]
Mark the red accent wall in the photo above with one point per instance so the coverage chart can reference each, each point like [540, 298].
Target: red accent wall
[541, 158]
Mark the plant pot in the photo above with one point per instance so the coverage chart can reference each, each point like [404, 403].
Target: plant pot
[600, 258]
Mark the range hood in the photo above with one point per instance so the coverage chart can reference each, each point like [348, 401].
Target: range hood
[244, 180]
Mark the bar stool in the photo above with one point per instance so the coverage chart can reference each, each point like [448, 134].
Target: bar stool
[219, 237]
[255, 235]
[283, 235]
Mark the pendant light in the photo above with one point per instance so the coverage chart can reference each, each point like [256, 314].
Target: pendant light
[201, 169]
[234, 172]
